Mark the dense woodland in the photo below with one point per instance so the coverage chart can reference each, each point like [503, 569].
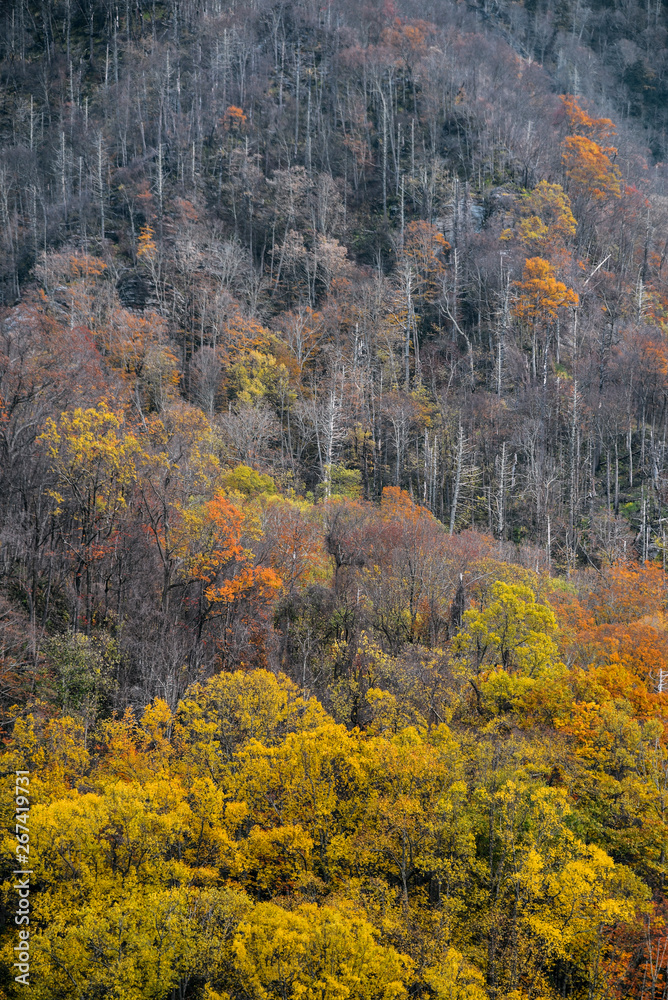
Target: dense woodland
[333, 493]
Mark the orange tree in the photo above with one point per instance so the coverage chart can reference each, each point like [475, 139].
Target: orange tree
[540, 299]
[587, 160]
[230, 590]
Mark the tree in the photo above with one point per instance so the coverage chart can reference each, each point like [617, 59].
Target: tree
[405, 582]
[293, 541]
[231, 592]
[513, 632]
[540, 299]
[589, 169]
[95, 465]
[546, 219]
[230, 710]
[84, 669]
[220, 553]
[316, 952]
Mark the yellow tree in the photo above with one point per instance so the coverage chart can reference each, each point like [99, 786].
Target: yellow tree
[316, 780]
[515, 637]
[94, 458]
[316, 953]
[404, 831]
[219, 718]
[546, 222]
[150, 256]
[551, 896]
[119, 910]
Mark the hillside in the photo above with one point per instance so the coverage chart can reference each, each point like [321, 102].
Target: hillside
[333, 493]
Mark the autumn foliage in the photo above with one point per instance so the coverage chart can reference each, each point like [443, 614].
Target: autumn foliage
[334, 499]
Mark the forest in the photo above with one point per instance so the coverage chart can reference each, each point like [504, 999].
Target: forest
[333, 499]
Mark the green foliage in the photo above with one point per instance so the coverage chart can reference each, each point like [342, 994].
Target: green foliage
[84, 668]
[243, 479]
[256, 377]
[513, 632]
[341, 482]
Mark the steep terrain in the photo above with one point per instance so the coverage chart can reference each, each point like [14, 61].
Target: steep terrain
[333, 493]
